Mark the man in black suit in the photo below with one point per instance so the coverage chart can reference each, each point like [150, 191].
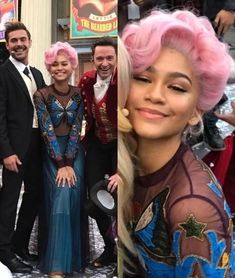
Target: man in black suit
[20, 148]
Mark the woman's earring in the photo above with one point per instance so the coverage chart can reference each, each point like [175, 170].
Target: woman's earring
[125, 112]
[198, 129]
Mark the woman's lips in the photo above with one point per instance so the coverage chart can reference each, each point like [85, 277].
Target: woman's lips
[151, 113]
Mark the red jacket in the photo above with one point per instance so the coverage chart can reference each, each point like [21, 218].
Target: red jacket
[86, 85]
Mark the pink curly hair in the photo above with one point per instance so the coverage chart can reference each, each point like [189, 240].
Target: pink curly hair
[192, 36]
[58, 48]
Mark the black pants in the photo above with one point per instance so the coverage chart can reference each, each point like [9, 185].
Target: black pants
[209, 118]
[30, 172]
[100, 160]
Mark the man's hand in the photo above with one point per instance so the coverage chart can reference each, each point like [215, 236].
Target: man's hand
[229, 118]
[112, 185]
[224, 20]
[11, 163]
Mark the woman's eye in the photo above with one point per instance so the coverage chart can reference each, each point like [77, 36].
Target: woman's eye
[142, 79]
[178, 88]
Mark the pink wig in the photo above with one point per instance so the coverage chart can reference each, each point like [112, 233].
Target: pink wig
[60, 48]
[191, 35]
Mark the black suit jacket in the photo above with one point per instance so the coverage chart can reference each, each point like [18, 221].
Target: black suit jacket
[16, 110]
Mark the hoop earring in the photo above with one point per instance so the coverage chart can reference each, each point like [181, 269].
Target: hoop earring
[125, 112]
[197, 129]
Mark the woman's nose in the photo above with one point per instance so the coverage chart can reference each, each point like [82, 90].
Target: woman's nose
[60, 66]
[156, 93]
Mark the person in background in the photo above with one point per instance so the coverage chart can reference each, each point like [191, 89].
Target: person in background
[229, 117]
[179, 217]
[20, 148]
[99, 90]
[222, 16]
[60, 113]
[223, 163]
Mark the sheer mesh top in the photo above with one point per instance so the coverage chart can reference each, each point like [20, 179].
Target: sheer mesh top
[60, 114]
[182, 224]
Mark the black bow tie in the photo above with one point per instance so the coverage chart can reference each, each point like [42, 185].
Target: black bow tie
[26, 72]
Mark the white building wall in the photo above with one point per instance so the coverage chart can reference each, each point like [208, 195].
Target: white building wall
[36, 15]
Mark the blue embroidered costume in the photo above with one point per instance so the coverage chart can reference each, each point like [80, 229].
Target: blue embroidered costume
[182, 225]
[60, 118]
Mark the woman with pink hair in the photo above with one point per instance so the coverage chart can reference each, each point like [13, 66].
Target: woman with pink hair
[180, 220]
[60, 113]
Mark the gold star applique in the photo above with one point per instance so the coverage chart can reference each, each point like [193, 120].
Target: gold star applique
[193, 228]
[225, 259]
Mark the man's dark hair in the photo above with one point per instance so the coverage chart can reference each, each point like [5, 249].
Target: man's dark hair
[104, 41]
[14, 26]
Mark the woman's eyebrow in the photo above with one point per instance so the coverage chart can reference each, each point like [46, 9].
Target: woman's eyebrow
[173, 74]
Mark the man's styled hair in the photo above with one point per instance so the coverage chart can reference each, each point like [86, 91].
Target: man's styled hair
[14, 26]
[104, 41]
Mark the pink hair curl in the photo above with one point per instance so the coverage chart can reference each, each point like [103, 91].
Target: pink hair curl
[191, 35]
[60, 48]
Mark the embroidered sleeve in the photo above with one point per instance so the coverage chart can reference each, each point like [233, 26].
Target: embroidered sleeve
[74, 135]
[47, 129]
[202, 238]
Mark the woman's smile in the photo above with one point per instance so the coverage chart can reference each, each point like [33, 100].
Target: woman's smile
[149, 113]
